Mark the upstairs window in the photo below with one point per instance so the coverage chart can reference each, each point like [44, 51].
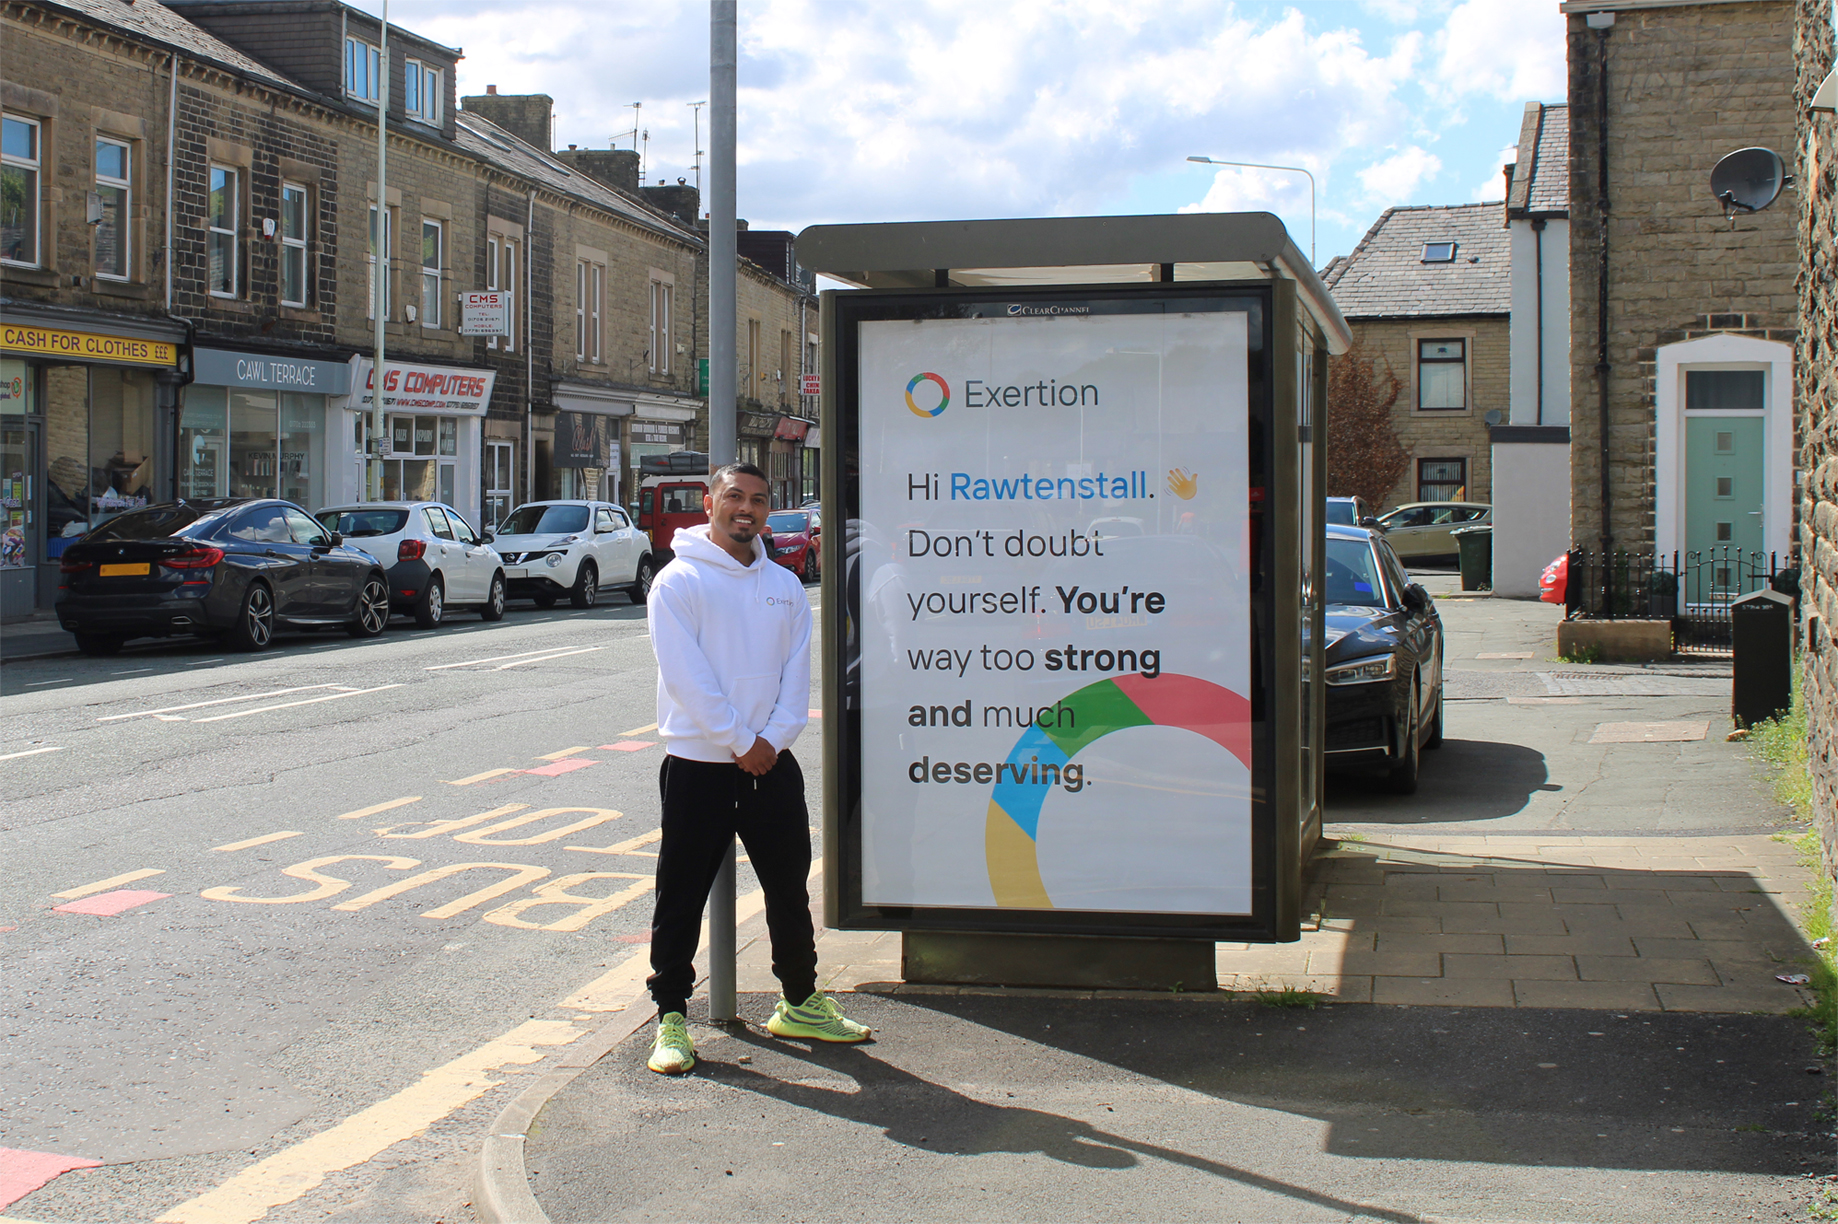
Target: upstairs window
[663, 301]
[112, 186]
[389, 231]
[19, 156]
[363, 70]
[421, 91]
[1442, 375]
[1439, 252]
[293, 244]
[501, 275]
[432, 241]
[221, 217]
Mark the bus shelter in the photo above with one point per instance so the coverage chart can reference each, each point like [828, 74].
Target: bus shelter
[1072, 634]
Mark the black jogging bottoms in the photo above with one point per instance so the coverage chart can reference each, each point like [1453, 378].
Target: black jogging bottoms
[706, 803]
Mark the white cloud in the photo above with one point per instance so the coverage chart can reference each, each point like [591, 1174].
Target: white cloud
[1510, 51]
[1493, 186]
[1396, 179]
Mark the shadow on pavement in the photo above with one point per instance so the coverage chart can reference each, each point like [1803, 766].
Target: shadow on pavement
[1464, 780]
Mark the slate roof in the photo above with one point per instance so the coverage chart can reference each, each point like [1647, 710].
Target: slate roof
[490, 143]
[152, 20]
[1385, 276]
[1541, 177]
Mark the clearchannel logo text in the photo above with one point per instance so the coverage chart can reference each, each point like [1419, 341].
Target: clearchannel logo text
[1018, 309]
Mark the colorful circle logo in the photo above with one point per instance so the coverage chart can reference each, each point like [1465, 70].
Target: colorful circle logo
[944, 395]
[1012, 827]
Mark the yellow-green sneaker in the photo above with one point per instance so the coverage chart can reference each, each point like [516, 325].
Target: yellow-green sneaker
[816, 1019]
[672, 1052]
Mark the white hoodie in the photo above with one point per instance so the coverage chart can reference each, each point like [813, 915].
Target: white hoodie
[733, 650]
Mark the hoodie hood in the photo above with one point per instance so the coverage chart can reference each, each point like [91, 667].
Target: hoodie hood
[695, 544]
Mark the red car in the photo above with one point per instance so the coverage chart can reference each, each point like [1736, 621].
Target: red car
[792, 539]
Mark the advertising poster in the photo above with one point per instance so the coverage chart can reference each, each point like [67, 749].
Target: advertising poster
[1055, 626]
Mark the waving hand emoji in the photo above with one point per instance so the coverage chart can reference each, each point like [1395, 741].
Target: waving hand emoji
[1183, 483]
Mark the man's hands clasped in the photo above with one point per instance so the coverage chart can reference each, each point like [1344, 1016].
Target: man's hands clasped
[759, 759]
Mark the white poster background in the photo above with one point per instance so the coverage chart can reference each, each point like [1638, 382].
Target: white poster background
[1136, 407]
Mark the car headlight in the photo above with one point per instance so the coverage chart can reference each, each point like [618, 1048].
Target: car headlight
[1364, 671]
[553, 559]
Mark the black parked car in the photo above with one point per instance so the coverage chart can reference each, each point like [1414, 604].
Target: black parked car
[1384, 659]
[240, 567]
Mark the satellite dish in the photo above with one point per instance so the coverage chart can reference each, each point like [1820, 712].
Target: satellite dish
[1494, 417]
[1748, 180]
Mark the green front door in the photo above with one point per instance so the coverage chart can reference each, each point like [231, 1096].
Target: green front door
[1723, 491]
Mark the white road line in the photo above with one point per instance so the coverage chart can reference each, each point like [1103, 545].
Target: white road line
[59, 680]
[496, 658]
[31, 752]
[132, 671]
[259, 841]
[202, 662]
[198, 705]
[547, 658]
[288, 705]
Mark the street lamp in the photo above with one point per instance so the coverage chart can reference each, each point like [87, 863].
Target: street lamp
[1211, 161]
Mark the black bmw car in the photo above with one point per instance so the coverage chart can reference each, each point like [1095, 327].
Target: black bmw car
[239, 567]
[1384, 660]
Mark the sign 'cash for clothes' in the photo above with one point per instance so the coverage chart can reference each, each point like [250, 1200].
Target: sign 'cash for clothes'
[1055, 564]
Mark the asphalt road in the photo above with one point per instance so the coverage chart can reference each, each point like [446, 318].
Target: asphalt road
[322, 871]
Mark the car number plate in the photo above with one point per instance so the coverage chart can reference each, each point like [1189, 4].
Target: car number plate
[516, 571]
[124, 570]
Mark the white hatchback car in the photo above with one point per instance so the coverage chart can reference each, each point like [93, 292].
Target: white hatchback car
[573, 548]
[433, 558]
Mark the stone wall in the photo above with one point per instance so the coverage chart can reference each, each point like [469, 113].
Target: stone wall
[1443, 434]
[1817, 359]
[1685, 85]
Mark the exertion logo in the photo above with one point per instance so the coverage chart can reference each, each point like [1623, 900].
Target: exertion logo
[1012, 827]
[944, 395]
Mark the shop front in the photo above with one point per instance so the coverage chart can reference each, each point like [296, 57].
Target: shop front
[785, 463]
[256, 425]
[585, 453]
[433, 437]
[658, 426]
[86, 412]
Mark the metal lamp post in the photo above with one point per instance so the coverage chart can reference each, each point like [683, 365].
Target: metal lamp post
[1213, 161]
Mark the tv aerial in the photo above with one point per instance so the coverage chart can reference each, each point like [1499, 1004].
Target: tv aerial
[1748, 180]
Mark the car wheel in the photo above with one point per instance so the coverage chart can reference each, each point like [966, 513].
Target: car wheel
[544, 600]
[494, 600]
[99, 644]
[432, 605]
[1434, 738]
[586, 589]
[640, 590]
[254, 628]
[1403, 776]
[372, 609]
[809, 571]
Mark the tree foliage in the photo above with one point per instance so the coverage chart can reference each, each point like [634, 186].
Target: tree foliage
[1364, 456]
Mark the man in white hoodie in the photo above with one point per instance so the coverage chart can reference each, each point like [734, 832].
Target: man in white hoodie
[732, 634]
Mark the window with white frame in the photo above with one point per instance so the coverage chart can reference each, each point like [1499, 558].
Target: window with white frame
[1442, 375]
[501, 275]
[421, 91]
[19, 164]
[596, 301]
[580, 310]
[589, 283]
[113, 186]
[663, 300]
[221, 219]
[433, 241]
[363, 70]
[389, 227]
[293, 244]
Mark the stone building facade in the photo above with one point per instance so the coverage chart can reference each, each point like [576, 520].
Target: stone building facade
[1427, 296]
[1701, 313]
[1815, 53]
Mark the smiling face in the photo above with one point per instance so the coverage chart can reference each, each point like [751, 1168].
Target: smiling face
[737, 506]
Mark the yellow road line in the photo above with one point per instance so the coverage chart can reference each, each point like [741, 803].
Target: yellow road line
[381, 807]
[481, 777]
[624, 847]
[293, 1171]
[127, 877]
[566, 752]
[258, 841]
[638, 731]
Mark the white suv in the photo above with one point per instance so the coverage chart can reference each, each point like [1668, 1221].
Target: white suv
[572, 548]
[435, 561]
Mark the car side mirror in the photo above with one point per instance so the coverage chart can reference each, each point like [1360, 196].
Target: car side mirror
[1368, 521]
[1415, 597]
[490, 535]
[338, 540]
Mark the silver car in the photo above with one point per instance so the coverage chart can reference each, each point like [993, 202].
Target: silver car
[434, 560]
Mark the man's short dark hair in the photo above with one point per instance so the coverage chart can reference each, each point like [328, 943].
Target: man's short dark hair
[728, 471]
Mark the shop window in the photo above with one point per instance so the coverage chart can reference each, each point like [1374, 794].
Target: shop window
[19, 165]
[113, 186]
[500, 482]
[1442, 479]
[422, 462]
[389, 232]
[222, 216]
[363, 70]
[663, 298]
[1442, 375]
[204, 439]
[293, 244]
[432, 253]
[302, 448]
[421, 92]
[100, 444]
[810, 460]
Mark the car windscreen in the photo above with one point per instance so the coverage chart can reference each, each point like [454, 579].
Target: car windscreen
[1340, 512]
[157, 522]
[1353, 575]
[544, 520]
[356, 524]
[788, 523]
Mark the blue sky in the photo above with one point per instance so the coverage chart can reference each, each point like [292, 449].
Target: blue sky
[931, 109]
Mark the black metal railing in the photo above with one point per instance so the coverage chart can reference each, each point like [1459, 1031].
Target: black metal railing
[1693, 590]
